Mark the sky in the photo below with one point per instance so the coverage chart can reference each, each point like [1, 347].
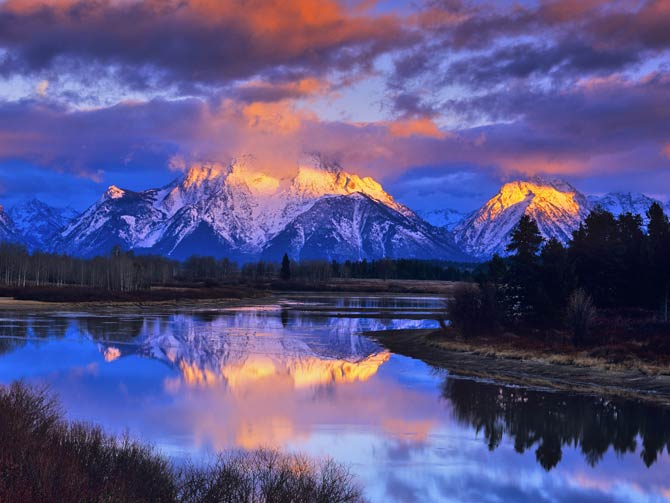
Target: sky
[439, 100]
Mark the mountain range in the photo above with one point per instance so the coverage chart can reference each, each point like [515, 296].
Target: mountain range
[241, 213]
[321, 212]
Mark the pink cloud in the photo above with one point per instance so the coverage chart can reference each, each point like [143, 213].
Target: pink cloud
[665, 151]
[416, 127]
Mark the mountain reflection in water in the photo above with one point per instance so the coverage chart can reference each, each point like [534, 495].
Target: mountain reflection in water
[239, 349]
[298, 375]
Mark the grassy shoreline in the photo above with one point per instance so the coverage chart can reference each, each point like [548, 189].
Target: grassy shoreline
[36, 297]
[484, 358]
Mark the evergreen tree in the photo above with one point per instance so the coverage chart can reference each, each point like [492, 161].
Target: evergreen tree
[285, 272]
[628, 256]
[658, 253]
[524, 294]
[497, 269]
[556, 280]
[593, 251]
[526, 239]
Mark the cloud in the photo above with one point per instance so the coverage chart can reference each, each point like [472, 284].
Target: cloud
[257, 90]
[193, 44]
[487, 47]
[520, 61]
[573, 87]
[481, 24]
[416, 127]
[611, 125]
[665, 151]
[41, 88]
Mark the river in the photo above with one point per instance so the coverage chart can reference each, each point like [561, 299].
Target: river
[294, 372]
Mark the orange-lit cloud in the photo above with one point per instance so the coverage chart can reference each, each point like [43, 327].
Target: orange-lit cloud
[257, 90]
[538, 163]
[276, 118]
[291, 43]
[416, 127]
[259, 77]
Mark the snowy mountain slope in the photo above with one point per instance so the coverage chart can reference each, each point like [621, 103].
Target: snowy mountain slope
[38, 223]
[237, 210]
[8, 231]
[245, 207]
[446, 218]
[556, 206]
[119, 217]
[619, 203]
[358, 227]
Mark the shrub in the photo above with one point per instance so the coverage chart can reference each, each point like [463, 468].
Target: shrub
[266, 475]
[474, 309]
[580, 315]
[44, 459]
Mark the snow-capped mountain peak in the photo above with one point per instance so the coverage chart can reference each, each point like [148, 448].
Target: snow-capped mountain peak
[114, 192]
[36, 223]
[201, 176]
[536, 194]
[318, 161]
[446, 218]
[319, 177]
[556, 206]
[237, 210]
[619, 203]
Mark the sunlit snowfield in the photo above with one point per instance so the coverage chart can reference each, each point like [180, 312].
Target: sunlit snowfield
[294, 372]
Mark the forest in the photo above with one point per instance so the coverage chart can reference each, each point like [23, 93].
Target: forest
[611, 263]
[124, 271]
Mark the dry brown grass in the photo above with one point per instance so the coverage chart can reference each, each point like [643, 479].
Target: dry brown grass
[550, 360]
[508, 346]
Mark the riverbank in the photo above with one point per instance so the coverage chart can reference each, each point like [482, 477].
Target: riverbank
[359, 286]
[75, 294]
[27, 298]
[506, 359]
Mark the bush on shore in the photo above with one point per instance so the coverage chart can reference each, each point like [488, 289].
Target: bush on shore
[474, 309]
[43, 458]
[580, 315]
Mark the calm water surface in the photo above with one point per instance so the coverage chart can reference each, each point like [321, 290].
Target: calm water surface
[296, 373]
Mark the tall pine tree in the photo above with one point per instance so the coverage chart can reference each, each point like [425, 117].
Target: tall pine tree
[658, 252]
[285, 272]
[525, 296]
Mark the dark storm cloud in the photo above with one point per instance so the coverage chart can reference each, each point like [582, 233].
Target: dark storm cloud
[471, 25]
[408, 104]
[190, 43]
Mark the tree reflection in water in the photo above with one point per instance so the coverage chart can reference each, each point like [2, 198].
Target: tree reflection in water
[550, 420]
